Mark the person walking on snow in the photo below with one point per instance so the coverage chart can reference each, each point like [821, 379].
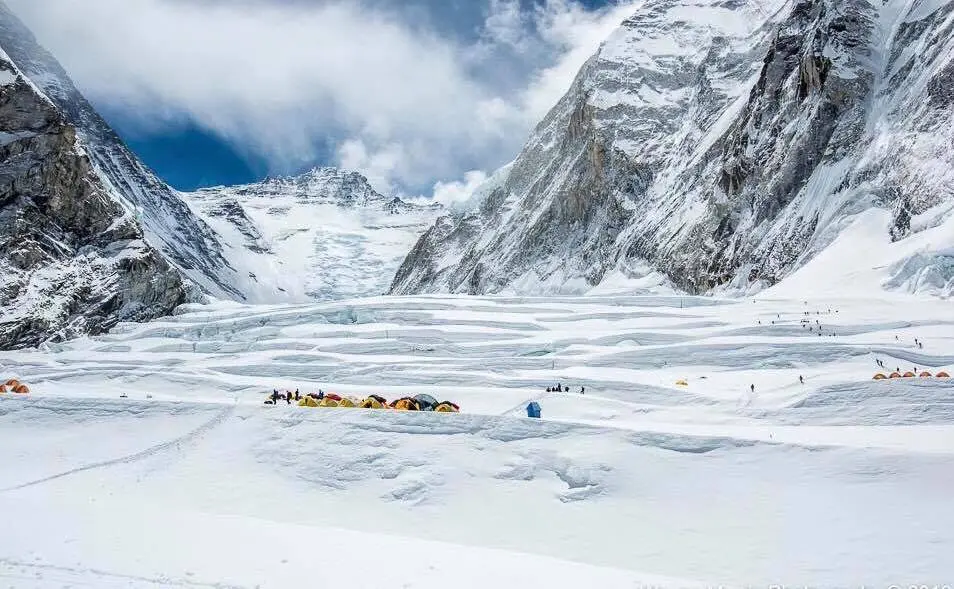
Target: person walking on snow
[801, 379]
[752, 387]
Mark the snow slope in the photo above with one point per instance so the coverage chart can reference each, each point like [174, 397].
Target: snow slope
[322, 235]
[840, 481]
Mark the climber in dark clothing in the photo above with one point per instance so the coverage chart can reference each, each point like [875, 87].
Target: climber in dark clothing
[801, 379]
[275, 396]
[288, 398]
[297, 395]
[582, 390]
[752, 387]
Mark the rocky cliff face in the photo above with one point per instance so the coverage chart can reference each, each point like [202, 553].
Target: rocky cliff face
[166, 221]
[323, 235]
[719, 142]
[72, 260]
[88, 235]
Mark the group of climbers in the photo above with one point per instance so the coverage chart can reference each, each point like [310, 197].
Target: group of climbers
[420, 402]
[14, 386]
[559, 388]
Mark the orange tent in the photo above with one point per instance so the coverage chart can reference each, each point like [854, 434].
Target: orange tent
[12, 382]
[3, 388]
[942, 375]
[909, 374]
[406, 404]
[21, 389]
[880, 376]
[925, 374]
[895, 375]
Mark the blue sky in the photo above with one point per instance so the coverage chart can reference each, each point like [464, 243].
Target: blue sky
[425, 97]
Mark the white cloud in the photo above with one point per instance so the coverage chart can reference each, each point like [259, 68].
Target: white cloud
[452, 193]
[396, 101]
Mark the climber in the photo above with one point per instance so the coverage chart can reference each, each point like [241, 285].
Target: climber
[297, 395]
[801, 379]
[582, 390]
[752, 387]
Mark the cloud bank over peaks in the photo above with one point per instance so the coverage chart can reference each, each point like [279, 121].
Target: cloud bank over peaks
[410, 102]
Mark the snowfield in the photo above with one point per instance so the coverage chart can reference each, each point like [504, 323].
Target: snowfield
[192, 482]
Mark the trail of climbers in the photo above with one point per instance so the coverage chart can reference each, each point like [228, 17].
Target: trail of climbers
[189, 437]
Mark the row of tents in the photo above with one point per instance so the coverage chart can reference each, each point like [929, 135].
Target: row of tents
[417, 403]
[14, 386]
[909, 374]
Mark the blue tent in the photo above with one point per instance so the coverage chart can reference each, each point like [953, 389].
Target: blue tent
[533, 410]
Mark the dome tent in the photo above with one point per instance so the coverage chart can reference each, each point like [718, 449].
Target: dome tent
[406, 404]
[426, 402]
[374, 402]
[447, 407]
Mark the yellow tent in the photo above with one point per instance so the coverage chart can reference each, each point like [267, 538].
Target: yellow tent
[447, 407]
[682, 383]
[307, 401]
[373, 403]
[347, 402]
[909, 374]
[880, 376]
[328, 402]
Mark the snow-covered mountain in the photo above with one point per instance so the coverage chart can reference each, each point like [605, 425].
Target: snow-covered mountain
[73, 258]
[166, 221]
[90, 236]
[724, 143]
[323, 235]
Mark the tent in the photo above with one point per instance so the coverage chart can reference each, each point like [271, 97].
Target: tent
[374, 402]
[447, 407]
[12, 383]
[880, 376]
[406, 404]
[3, 388]
[348, 402]
[328, 402]
[909, 374]
[925, 374]
[333, 396]
[682, 383]
[307, 401]
[942, 375]
[533, 410]
[426, 402]
[895, 375]
[21, 389]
